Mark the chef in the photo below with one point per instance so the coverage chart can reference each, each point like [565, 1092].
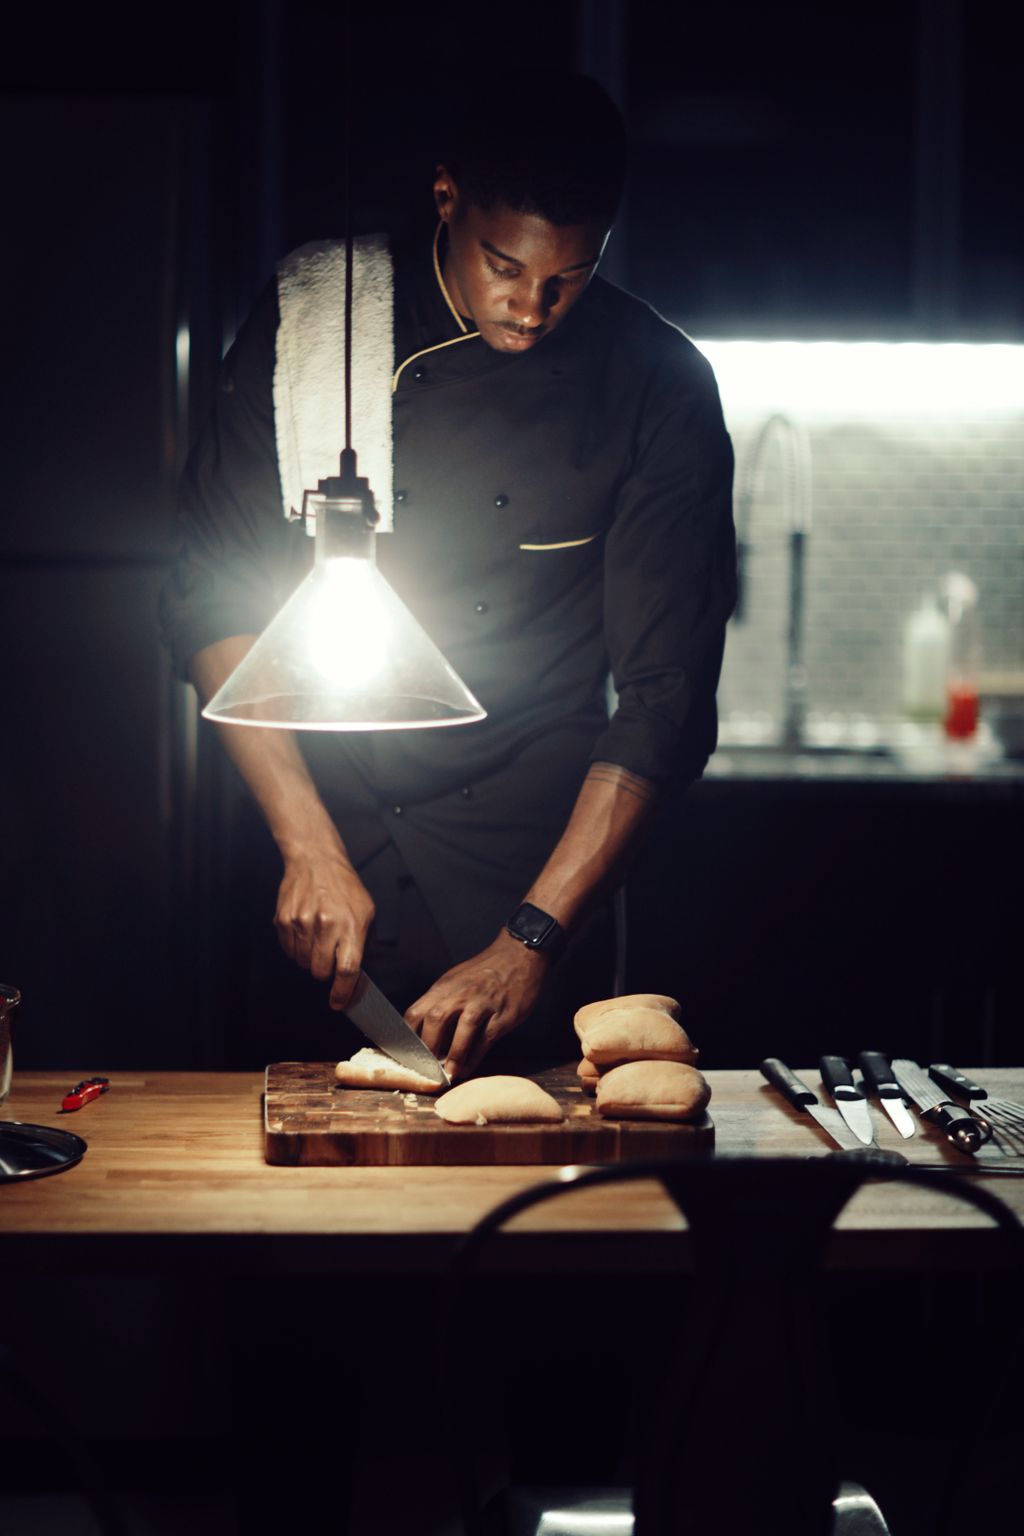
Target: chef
[562, 511]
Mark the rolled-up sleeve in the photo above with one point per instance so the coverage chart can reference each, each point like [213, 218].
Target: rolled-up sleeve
[225, 579]
[670, 583]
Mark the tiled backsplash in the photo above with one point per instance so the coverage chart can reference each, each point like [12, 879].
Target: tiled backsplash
[901, 494]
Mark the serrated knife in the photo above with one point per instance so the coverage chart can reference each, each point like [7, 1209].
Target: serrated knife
[847, 1097]
[962, 1130]
[880, 1081]
[803, 1098]
[371, 1012]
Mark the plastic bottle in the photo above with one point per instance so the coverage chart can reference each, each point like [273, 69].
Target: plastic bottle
[926, 652]
[960, 596]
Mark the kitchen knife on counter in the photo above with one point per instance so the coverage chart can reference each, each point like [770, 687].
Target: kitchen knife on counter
[371, 1012]
[878, 1076]
[801, 1097]
[848, 1098]
[962, 1130]
[1004, 1118]
[955, 1082]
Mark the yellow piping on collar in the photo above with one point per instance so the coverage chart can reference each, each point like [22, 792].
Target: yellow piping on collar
[469, 336]
[569, 543]
[440, 280]
[466, 335]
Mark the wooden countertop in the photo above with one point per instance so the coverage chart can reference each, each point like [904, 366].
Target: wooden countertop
[174, 1180]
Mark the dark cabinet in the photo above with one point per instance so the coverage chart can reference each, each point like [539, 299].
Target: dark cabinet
[796, 920]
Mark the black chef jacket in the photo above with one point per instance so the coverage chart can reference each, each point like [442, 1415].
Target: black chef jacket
[559, 514]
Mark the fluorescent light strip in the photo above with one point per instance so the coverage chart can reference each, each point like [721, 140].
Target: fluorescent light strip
[872, 380]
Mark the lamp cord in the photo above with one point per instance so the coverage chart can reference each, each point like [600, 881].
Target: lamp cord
[348, 228]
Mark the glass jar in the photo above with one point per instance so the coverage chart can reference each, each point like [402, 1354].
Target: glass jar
[10, 998]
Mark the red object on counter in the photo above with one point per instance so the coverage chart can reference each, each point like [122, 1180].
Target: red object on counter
[81, 1093]
[961, 711]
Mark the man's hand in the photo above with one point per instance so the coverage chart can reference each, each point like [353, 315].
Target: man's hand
[477, 1002]
[323, 915]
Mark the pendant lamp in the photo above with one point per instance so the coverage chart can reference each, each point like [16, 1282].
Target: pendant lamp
[344, 653]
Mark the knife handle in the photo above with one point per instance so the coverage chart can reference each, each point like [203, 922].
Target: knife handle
[835, 1073]
[788, 1084]
[878, 1075]
[953, 1081]
[961, 1128]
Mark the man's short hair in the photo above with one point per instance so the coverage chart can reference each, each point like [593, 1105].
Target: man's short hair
[544, 142]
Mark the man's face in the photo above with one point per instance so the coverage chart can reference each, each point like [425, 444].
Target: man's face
[514, 274]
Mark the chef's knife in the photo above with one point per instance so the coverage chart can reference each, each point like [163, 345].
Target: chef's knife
[878, 1076]
[847, 1097]
[961, 1128]
[801, 1097]
[370, 1010]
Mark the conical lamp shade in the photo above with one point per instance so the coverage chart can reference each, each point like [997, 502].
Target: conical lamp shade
[344, 654]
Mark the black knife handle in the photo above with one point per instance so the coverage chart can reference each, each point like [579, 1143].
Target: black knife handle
[788, 1084]
[836, 1074]
[962, 1130]
[953, 1081]
[878, 1075]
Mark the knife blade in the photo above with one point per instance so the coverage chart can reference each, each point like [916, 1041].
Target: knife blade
[847, 1097]
[371, 1012]
[878, 1076]
[962, 1130]
[802, 1098]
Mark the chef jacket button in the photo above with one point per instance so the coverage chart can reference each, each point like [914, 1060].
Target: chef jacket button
[480, 607]
[396, 810]
[466, 792]
[401, 495]
[501, 501]
[419, 374]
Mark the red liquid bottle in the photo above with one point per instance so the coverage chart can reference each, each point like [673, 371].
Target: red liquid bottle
[961, 711]
[961, 601]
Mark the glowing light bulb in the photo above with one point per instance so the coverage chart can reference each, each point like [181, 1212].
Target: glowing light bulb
[348, 636]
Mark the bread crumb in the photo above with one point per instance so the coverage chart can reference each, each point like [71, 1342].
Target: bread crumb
[480, 1120]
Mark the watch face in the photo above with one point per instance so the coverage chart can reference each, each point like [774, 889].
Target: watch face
[531, 925]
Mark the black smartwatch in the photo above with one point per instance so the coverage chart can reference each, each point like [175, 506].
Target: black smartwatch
[537, 930]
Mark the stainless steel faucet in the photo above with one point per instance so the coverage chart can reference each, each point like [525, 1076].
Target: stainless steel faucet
[795, 460]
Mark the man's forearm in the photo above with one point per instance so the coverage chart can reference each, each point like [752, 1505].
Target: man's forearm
[323, 911]
[269, 761]
[471, 1006]
[612, 807]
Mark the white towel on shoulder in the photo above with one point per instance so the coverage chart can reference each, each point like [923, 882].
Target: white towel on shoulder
[309, 403]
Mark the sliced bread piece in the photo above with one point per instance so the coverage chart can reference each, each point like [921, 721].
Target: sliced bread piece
[637, 1034]
[590, 1012]
[369, 1068]
[653, 1090]
[497, 1101]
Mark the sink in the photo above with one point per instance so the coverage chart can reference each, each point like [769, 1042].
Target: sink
[770, 749]
[856, 749]
[811, 760]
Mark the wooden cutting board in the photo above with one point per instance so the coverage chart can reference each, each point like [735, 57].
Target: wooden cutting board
[311, 1122]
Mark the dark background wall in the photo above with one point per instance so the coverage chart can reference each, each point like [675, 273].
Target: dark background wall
[800, 169]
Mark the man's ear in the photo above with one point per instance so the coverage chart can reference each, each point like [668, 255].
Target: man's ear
[446, 194]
